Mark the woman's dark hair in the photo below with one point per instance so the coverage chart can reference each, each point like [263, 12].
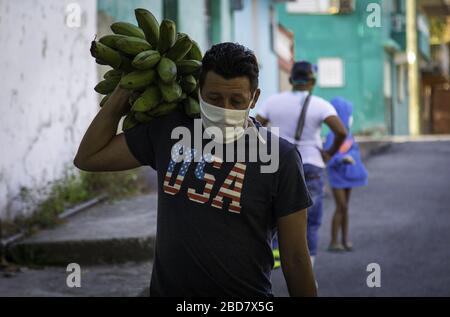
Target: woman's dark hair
[231, 60]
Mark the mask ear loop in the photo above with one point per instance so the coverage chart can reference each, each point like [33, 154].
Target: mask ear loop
[253, 126]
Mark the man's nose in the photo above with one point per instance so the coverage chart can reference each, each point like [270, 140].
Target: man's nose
[227, 104]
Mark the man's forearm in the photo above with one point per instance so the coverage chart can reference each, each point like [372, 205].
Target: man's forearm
[104, 126]
[299, 278]
[338, 141]
[340, 134]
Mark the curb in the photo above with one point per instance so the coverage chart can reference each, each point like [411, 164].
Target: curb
[101, 236]
[81, 207]
[7, 242]
[90, 252]
[372, 148]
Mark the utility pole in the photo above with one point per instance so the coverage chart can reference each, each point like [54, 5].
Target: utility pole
[413, 67]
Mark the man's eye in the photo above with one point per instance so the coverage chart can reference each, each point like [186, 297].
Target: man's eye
[237, 103]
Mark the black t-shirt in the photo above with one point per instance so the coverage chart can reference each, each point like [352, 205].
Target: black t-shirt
[215, 220]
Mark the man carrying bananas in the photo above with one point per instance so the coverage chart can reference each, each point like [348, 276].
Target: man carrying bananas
[216, 217]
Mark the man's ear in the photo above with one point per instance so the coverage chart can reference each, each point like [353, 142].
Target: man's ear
[255, 99]
[290, 81]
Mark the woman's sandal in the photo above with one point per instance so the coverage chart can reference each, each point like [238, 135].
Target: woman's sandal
[348, 247]
[336, 248]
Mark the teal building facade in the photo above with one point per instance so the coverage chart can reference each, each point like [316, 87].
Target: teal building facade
[369, 42]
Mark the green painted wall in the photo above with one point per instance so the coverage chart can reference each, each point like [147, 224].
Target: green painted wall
[361, 48]
[227, 21]
[170, 10]
[124, 10]
[399, 112]
[424, 40]
[401, 107]
[192, 19]
[221, 21]
[206, 21]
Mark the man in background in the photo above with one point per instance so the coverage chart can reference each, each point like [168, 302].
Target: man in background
[284, 111]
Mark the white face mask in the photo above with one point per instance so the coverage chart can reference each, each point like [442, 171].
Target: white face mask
[214, 117]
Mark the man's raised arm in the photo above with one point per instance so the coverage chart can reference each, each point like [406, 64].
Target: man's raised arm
[101, 150]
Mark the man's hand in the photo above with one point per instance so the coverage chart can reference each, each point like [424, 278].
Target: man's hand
[118, 101]
[349, 160]
[326, 156]
[294, 255]
[264, 122]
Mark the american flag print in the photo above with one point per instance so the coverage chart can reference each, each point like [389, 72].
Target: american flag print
[231, 188]
[177, 151]
[236, 175]
[209, 179]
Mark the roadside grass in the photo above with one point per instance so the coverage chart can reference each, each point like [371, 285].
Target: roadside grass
[73, 189]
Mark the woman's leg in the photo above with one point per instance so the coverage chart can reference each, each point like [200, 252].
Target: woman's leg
[345, 220]
[340, 201]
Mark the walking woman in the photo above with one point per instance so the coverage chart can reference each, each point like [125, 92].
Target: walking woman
[345, 171]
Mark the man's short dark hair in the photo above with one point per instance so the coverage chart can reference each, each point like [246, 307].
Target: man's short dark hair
[231, 60]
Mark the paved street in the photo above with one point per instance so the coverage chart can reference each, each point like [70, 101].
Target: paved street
[400, 221]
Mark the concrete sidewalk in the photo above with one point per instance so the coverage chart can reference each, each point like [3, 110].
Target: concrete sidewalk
[370, 146]
[108, 233]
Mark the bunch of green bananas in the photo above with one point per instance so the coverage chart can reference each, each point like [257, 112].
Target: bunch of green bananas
[158, 64]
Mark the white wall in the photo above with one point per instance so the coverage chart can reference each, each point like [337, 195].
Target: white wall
[46, 94]
[252, 29]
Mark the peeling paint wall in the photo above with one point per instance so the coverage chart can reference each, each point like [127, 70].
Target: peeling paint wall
[46, 95]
